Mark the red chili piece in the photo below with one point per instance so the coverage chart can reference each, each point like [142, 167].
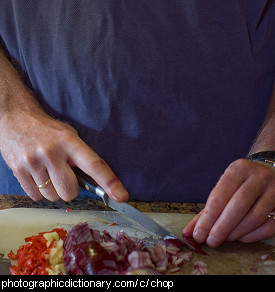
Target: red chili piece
[31, 257]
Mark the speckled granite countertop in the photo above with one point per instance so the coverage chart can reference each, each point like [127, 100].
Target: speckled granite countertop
[15, 201]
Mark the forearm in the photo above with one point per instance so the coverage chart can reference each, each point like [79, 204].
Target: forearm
[266, 138]
[14, 95]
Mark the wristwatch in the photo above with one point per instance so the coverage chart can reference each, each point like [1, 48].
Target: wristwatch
[264, 156]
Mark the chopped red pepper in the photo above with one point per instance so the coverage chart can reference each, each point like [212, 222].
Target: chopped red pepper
[68, 210]
[113, 224]
[31, 257]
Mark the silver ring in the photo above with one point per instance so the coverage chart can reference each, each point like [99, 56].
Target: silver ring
[271, 216]
[45, 184]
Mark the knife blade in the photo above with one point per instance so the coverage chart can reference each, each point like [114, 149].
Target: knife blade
[132, 213]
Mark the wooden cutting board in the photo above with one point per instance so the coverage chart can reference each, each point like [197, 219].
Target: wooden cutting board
[232, 258]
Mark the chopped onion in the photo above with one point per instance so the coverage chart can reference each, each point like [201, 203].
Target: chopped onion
[200, 268]
[173, 250]
[89, 252]
[185, 255]
[140, 259]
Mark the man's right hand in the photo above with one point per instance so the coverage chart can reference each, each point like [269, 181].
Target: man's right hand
[37, 147]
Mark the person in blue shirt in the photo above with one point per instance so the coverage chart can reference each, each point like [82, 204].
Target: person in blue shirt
[156, 100]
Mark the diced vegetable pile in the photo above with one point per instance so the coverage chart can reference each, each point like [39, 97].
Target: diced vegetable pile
[87, 251]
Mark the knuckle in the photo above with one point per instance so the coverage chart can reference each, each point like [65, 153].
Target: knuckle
[113, 182]
[69, 128]
[236, 165]
[68, 135]
[30, 159]
[97, 164]
[65, 137]
[215, 200]
[48, 152]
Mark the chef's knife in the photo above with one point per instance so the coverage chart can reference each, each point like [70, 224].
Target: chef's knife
[132, 213]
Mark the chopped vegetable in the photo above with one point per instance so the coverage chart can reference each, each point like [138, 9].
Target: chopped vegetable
[254, 269]
[200, 268]
[34, 257]
[89, 252]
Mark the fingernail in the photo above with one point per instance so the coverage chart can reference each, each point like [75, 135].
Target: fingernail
[187, 231]
[120, 195]
[212, 241]
[115, 196]
[184, 231]
[199, 235]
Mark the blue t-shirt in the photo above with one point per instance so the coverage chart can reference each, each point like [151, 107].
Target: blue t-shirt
[167, 92]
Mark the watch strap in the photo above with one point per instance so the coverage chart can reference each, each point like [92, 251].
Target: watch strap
[264, 156]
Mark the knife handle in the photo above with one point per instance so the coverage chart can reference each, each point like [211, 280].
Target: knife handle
[88, 183]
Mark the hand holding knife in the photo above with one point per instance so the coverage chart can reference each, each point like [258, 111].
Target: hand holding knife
[132, 213]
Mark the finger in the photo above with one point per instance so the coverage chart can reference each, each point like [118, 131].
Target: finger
[234, 212]
[265, 231]
[53, 163]
[189, 228]
[64, 181]
[40, 177]
[27, 183]
[82, 156]
[255, 217]
[228, 184]
[34, 164]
